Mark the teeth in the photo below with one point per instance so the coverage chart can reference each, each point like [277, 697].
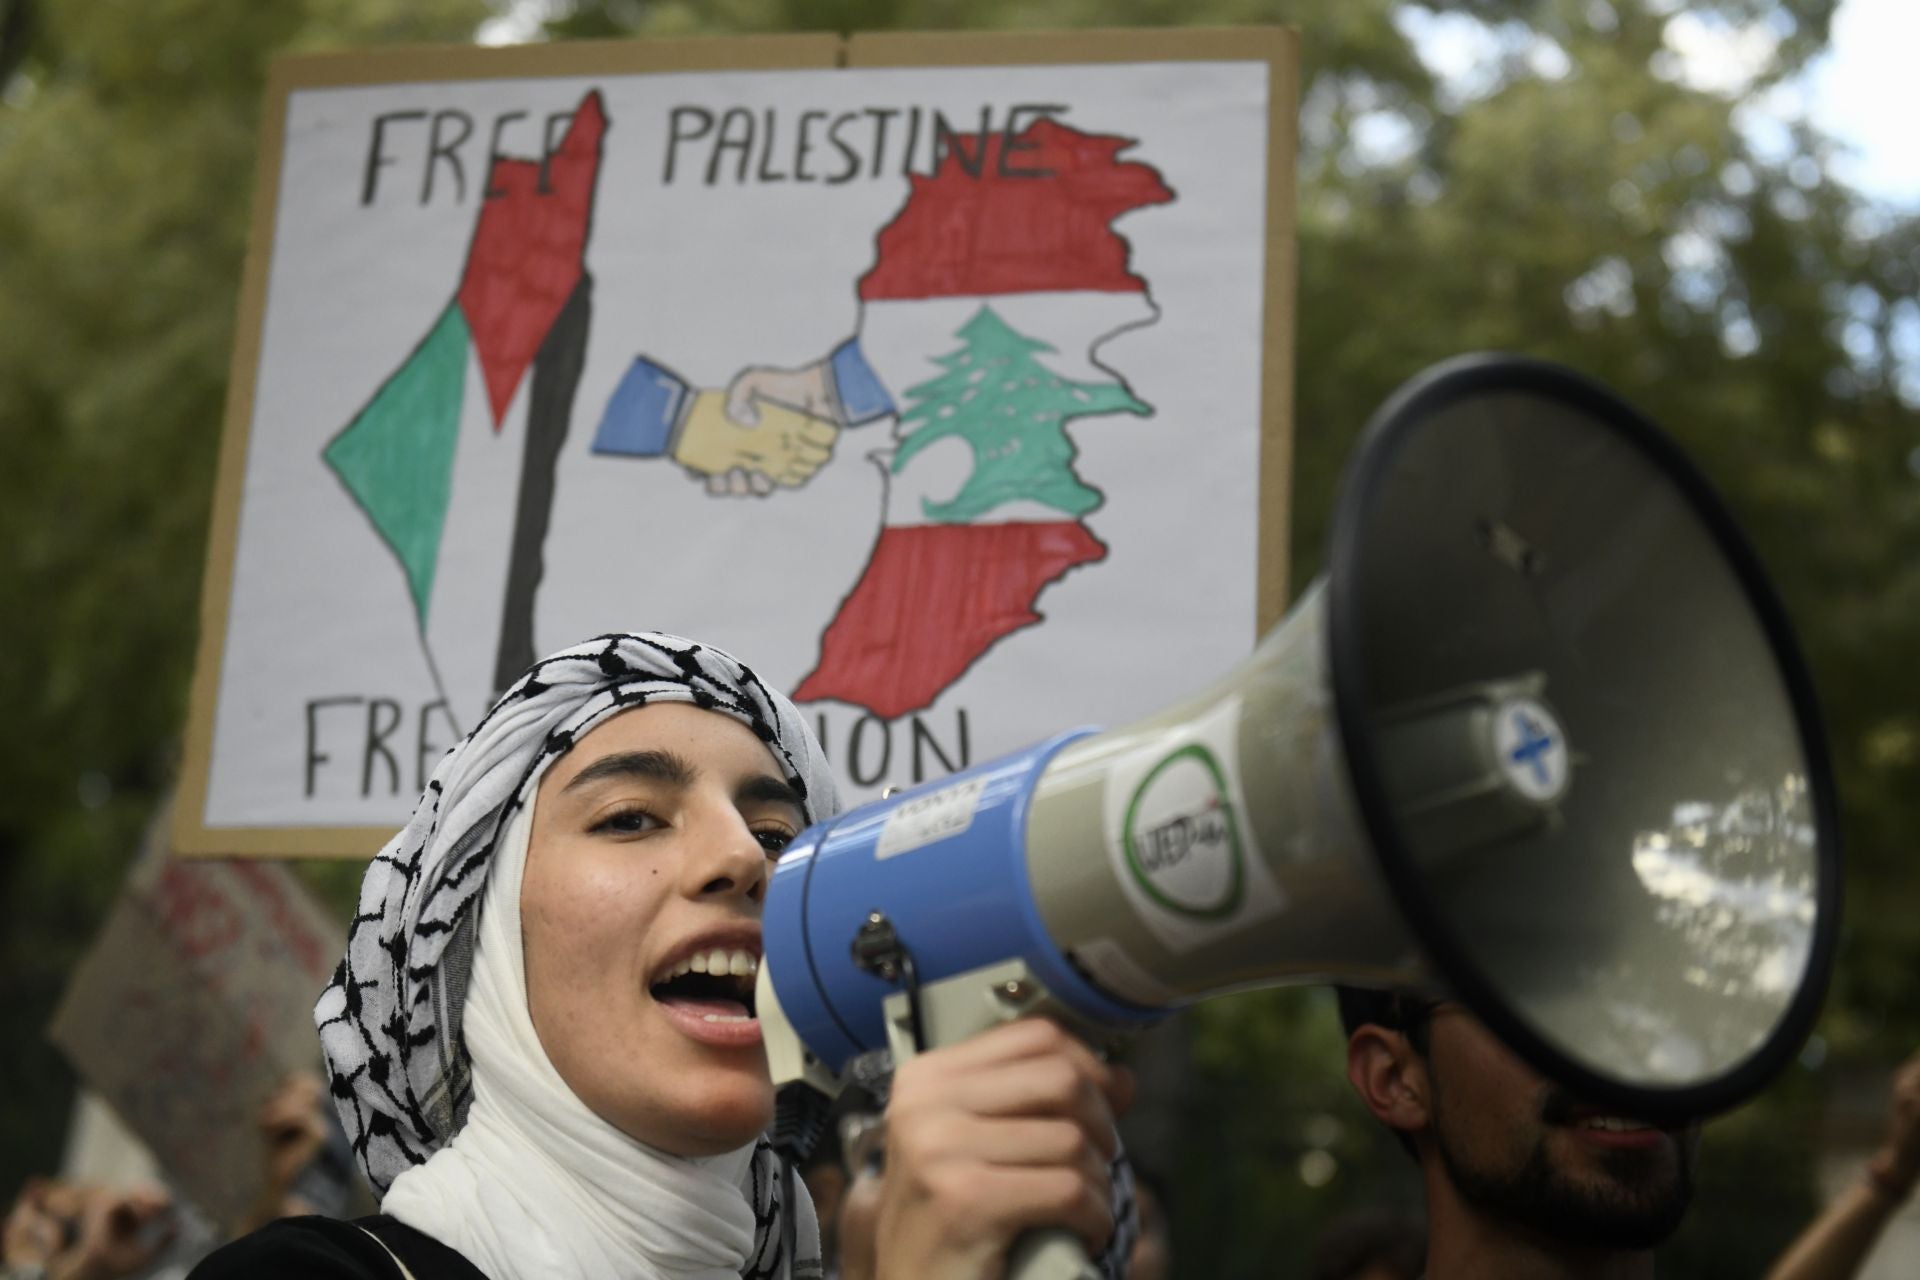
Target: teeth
[718, 962]
[724, 1017]
[1614, 1124]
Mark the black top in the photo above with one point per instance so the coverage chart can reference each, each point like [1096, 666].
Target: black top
[328, 1249]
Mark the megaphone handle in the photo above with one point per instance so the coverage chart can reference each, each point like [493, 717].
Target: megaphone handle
[1051, 1253]
[945, 1013]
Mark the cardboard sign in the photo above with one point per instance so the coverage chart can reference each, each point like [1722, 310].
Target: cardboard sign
[945, 380]
[191, 1006]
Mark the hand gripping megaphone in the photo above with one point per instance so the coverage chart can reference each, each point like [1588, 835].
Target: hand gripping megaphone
[1539, 737]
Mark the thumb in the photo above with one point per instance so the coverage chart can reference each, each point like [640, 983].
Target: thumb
[740, 396]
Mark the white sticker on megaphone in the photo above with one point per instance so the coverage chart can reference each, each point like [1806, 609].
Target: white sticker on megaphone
[1177, 831]
[922, 820]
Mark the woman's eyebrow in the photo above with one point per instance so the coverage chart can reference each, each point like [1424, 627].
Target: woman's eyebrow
[651, 766]
[764, 788]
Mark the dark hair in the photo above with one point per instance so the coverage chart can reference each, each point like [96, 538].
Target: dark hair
[1400, 1011]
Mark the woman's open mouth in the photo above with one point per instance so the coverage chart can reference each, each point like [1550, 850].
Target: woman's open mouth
[709, 995]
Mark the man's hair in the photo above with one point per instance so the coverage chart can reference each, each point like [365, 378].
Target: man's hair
[1410, 1015]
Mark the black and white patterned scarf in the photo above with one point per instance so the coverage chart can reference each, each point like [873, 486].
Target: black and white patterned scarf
[390, 1021]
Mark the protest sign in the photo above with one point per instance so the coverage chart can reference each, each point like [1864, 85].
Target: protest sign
[192, 1004]
[944, 379]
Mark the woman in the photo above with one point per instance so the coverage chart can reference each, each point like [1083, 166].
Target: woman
[541, 1039]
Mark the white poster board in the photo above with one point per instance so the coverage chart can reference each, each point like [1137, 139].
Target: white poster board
[945, 380]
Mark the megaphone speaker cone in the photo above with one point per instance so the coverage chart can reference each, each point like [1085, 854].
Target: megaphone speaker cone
[1514, 538]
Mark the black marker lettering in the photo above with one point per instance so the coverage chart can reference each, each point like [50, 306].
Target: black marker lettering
[1011, 142]
[803, 145]
[913, 142]
[424, 748]
[948, 142]
[766, 149]
[923, 737]
[880, 117]
[377, 735]
[315, 756]
[436, 151]
[376, 161]
[726, 140]
[675, 137]
[855, 756]
[847, 153]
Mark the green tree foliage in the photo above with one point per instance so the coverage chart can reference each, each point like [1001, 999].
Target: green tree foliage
[1575, 198]
[127, 138]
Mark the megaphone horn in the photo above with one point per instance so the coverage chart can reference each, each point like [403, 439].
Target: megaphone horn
[1540, 738]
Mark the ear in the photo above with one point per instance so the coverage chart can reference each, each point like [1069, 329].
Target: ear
[1390, 1078]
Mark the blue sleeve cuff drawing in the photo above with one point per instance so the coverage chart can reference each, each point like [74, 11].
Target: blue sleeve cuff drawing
[642, 412]
[860, 392]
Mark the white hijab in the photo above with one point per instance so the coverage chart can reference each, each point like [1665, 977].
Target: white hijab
[488, 1150]
[536, 1184]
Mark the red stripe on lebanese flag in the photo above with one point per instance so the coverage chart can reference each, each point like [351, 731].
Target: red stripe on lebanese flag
[1036, 218]
[944, 594]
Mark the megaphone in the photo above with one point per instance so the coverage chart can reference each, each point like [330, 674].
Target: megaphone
[1539, 738]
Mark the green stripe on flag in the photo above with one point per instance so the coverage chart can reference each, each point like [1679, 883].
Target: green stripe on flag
[396, 456]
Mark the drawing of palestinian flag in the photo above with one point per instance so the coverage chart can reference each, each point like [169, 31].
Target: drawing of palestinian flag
[993, 289]
[431, 474]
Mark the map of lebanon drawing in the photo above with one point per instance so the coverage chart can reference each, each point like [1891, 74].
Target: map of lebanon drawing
[1001, 266]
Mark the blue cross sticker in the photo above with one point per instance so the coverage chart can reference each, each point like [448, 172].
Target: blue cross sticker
[1535, 742]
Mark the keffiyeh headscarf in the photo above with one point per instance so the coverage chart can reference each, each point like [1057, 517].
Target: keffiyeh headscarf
[398, 1021]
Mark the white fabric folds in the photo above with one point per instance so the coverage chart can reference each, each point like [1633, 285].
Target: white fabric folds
[453, 1109]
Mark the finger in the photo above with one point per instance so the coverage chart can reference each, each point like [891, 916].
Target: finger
[1018, 1142]
[1008, 1042]
[761, 482]
[817, 431]
[147, 1201]
[1044, 1088]
[1023, 1040]
[1017, 1200]
[813, 453]
[737, 485]
[717, 486]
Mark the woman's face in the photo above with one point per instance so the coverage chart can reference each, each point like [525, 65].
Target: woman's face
[651, 846]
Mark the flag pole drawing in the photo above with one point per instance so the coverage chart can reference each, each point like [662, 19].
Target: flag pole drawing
[524, 301]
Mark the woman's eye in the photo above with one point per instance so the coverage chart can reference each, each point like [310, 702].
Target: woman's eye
[626, 822]
[774, 839]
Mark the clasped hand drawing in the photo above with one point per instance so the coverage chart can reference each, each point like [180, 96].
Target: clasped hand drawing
[770, 428]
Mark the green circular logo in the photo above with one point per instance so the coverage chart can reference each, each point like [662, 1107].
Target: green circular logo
[1182, 842]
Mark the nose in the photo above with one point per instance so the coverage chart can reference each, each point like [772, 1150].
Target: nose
[730, 861]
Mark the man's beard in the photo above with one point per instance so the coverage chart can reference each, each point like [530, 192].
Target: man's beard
[1635, 1201]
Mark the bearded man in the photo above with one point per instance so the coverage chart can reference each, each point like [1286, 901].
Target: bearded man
[1523, 1179]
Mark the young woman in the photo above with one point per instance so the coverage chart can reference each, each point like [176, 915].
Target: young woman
[541, 1039]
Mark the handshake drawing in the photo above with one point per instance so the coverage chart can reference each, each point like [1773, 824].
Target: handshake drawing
[771, 428]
